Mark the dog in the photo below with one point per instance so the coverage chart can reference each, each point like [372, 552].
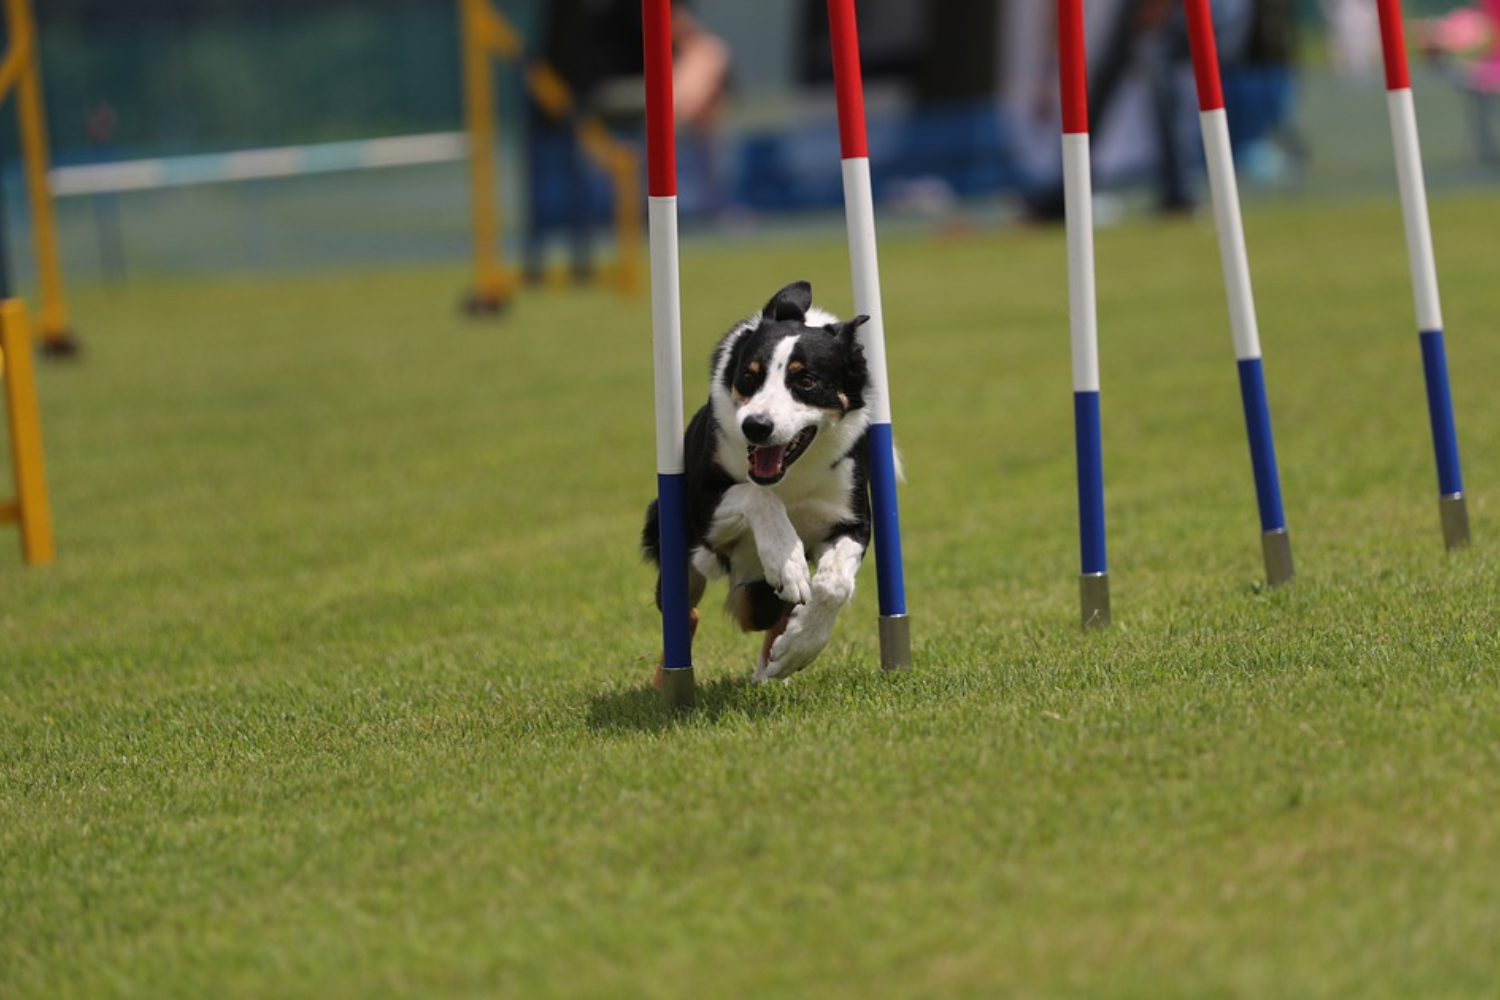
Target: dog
[777, 474]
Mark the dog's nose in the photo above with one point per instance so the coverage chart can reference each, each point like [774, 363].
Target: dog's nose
[757, 429]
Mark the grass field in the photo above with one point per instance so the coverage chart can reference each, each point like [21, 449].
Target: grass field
[338, 685]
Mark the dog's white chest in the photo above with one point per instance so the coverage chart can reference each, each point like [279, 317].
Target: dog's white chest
[818, 499]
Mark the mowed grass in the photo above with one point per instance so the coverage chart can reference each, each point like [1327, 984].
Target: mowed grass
[338, 685]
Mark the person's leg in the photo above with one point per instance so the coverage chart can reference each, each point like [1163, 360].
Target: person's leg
[1172, 115]
[1106, 73]
[580, 207]
[1108, 69]
[538, 135]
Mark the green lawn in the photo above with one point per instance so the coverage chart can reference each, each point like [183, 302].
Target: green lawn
[338, 685]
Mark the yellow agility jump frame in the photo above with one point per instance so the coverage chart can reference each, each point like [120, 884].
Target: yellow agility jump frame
[487, 35]
[20, 72]
[30, 508]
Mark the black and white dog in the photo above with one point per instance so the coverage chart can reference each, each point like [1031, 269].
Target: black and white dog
[777, 474]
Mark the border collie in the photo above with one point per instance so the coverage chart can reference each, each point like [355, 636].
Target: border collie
[777, 470]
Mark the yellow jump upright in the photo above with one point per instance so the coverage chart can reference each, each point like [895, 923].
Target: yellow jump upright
[30, 508]
[483, 34]
[20, 73]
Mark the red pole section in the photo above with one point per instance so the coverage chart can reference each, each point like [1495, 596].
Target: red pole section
[1072, 58]
[661, 136]
[1205, 55]
[848, 82]
[1393, 46]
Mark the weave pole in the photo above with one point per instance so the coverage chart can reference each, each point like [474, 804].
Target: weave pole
[1083, 313]
[859, 218]
[1452, 506]
[666, 337]
[1275, 542]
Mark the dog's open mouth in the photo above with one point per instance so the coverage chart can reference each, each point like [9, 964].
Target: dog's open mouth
[768, 463]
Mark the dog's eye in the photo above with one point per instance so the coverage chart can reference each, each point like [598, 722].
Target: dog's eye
[807, 382]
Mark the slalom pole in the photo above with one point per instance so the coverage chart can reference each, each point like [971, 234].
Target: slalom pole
[859, 218]
[1093, 581]
[666, 335]
[1275, 542]
[1452, 506]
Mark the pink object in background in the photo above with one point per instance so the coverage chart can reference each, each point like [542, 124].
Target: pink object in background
[1471, 33]
[1485, 74]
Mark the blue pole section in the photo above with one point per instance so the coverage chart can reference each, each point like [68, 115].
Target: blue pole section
[671, 511]
[1090, 483]
[889, 578]
[1262, 447]
[1440, 409]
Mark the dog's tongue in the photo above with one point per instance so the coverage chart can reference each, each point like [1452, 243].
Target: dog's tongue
[766, 462]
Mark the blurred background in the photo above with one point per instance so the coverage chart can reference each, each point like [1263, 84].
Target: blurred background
[962, 110]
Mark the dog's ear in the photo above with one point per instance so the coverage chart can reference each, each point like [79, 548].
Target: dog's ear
[791, 303]
[845, 331]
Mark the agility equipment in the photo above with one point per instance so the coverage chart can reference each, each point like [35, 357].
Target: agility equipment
[30, 508]
[859, 216]
[485, 36]
[1083, 310]
[666, 324]
[1452, 506]
[1275, 542]
[20, 73]
[1083, 315]
[666, 337]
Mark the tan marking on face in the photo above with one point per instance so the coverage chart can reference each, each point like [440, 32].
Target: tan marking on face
[755, 367]
[844, 402]
[795, 367]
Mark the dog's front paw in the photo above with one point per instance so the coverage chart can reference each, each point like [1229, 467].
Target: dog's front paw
[807, 632]
[789, 578]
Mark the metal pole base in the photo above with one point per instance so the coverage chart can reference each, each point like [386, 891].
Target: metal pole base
[1093, 592]
[1277, 546]
[895, 642]
[62, 344]
[1455, 511]
[677, 689]
[485, 303]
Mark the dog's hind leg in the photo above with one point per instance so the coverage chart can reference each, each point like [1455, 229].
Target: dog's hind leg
[755, 606]
[772, 634]
[697, 583]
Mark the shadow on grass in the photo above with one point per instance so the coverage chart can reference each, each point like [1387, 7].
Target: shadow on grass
[643, 709]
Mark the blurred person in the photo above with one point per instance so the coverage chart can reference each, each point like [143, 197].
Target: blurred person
[701, 81]
[1260, 95]
[1150, 36]
[1353, 37]
[596, 47]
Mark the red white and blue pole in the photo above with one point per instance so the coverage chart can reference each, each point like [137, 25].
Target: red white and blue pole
[1275, 542]
[1083, 311]
[1451, 503]
[859, 216]
[666, 336]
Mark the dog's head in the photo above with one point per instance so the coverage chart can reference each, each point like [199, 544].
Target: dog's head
[789, 379]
